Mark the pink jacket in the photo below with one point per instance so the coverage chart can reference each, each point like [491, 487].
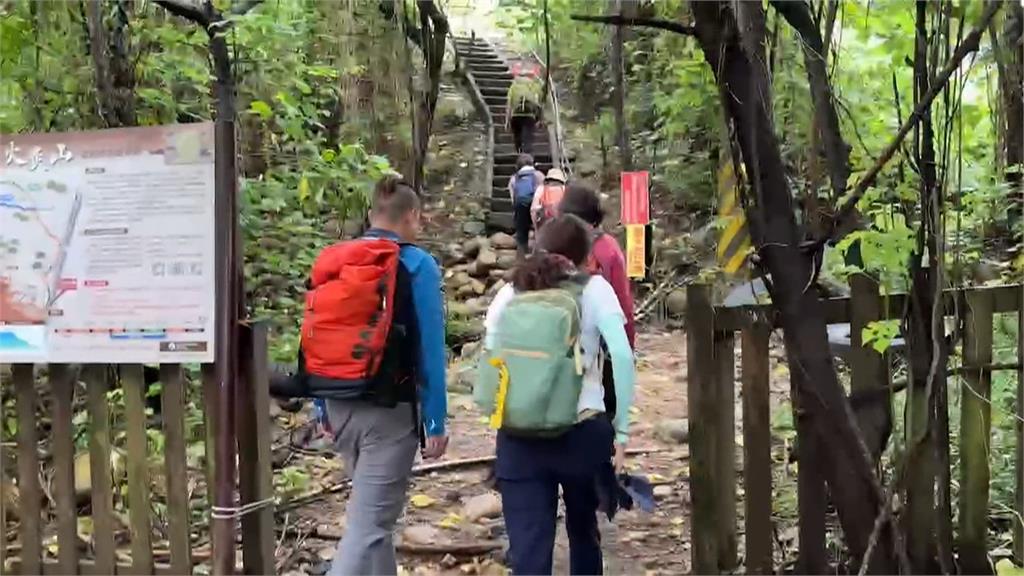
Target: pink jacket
[612, 262]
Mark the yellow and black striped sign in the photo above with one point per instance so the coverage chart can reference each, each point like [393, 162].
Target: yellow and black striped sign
[734, 242]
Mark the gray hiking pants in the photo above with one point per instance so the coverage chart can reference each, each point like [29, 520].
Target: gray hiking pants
[378, 446]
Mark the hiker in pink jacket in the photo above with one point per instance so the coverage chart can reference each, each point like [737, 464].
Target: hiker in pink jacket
[606, 259]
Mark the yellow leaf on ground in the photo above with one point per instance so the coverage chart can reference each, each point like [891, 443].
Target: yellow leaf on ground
[450, 521]
[421, 500]
[678, 521]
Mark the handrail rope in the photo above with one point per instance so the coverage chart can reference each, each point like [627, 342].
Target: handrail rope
[563, 161]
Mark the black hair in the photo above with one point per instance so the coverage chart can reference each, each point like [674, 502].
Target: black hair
[582, 201]
[563, 245]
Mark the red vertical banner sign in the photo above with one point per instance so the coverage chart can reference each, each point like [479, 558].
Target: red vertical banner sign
[636, 200]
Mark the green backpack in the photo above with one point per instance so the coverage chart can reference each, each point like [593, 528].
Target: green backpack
[530, 383]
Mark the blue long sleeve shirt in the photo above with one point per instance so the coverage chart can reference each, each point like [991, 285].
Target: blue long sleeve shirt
[428, 306]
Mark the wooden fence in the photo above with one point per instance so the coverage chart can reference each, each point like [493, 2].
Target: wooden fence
[254, 479]
[711, 334]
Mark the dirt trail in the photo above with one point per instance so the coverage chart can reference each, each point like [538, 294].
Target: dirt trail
[636, 543]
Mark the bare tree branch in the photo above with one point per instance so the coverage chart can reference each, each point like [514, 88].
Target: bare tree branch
[617, 20]
[244, 7]
[970, 44]
[203, 13]
[836, 151]
[187, 10]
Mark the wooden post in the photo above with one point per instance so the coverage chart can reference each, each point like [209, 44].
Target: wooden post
[975, 434]
[176, 463]
[96, 386]
[255, 476]
[724, 390]
[138, 468]
[30, 493]
[757, 450]
[1018, 500]
[62, 386]
[868, 368]
[811, 495]
[702, 417]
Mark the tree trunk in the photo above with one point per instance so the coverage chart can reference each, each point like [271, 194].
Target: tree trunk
[919, 521]
[622, 137]
[847, 467]
[433, 31]
[112, 63]
[1012, 89]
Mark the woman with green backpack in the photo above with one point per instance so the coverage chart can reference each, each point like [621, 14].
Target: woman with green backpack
[540, 383]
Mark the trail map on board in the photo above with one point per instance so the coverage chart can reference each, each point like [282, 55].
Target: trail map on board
[106, 246]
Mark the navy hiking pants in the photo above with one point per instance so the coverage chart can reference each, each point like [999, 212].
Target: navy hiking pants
[529, 473]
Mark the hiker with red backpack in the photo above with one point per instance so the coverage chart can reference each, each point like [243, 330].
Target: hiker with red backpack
[546, 200]
[522, 187]
[372, 347]
[540, 382]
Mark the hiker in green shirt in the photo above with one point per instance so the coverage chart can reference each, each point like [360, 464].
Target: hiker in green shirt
[523, 110]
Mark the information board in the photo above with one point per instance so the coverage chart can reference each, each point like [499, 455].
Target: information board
[107, 246]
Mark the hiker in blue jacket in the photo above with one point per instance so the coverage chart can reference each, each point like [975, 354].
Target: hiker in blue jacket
[379, 443]
[521, 188]
[530, 469]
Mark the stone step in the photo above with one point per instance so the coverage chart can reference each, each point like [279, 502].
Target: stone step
[540, 148]
[475, 57]
[501, 204]
[495, 100]
[504, 171]
[502, 159]
[479, 69]
[494, 92]
[500, 222]
[481, 76]
[493, 83]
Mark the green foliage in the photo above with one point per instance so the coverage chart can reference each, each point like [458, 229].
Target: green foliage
[879, 334]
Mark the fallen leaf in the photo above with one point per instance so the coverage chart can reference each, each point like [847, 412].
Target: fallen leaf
[678, 521]
[450, 521]
[421, 500]
[655, 477]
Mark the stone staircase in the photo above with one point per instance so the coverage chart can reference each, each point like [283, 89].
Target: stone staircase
[491, 76]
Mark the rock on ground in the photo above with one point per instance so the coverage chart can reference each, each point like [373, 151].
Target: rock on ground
[486, 505]
[672, 430]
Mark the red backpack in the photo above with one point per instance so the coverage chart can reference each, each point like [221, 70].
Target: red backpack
[352, 344]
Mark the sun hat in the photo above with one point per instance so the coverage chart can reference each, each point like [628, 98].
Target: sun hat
[556, 175]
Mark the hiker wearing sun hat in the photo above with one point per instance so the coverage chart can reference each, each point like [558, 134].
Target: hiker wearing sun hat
[547, 198]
